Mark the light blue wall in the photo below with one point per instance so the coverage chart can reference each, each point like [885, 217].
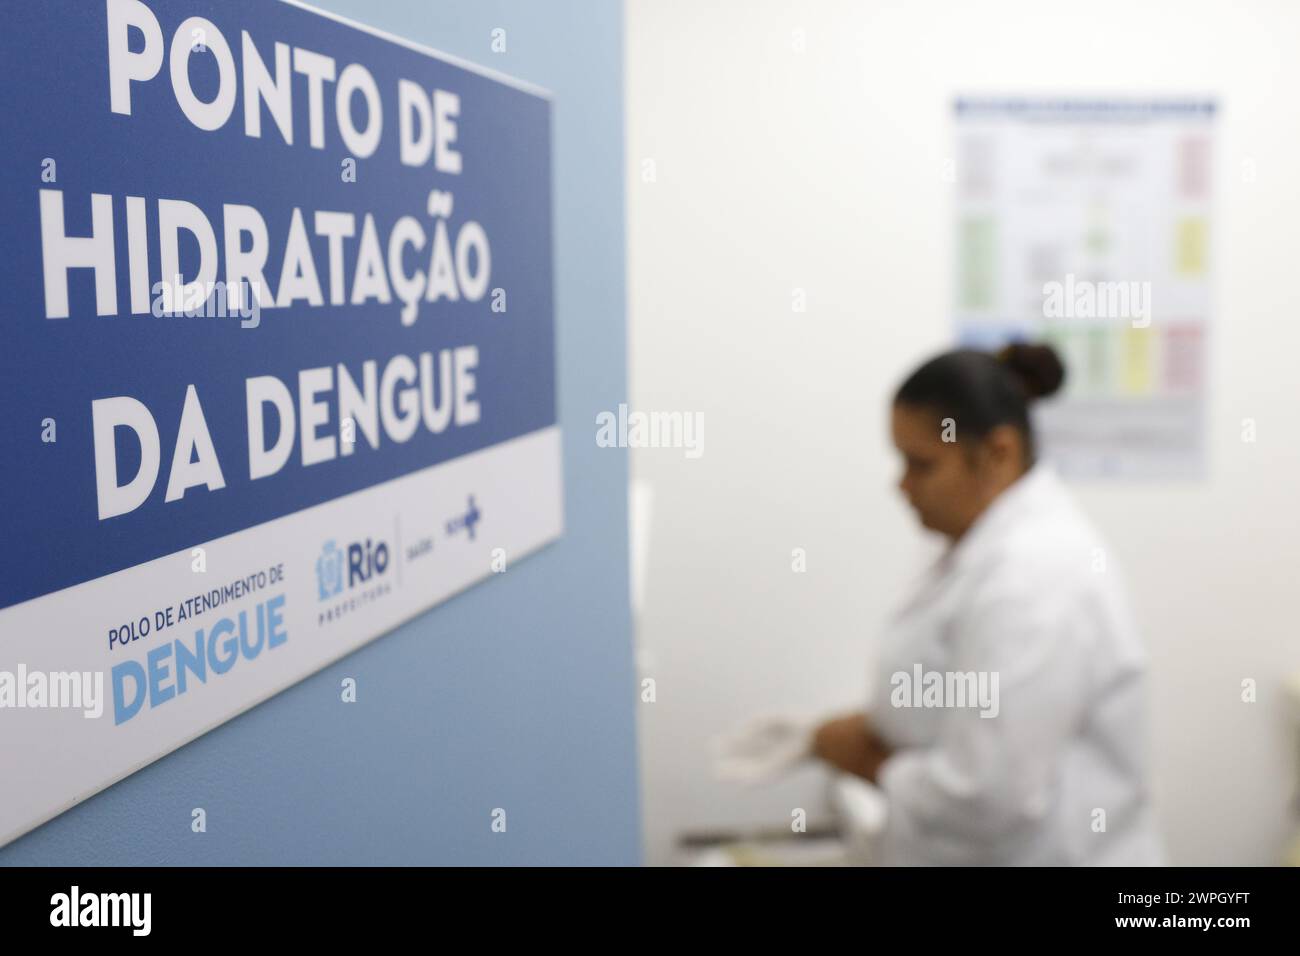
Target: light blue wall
[519, 693]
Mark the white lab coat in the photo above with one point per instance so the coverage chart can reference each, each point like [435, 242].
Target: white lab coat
[1031, 593]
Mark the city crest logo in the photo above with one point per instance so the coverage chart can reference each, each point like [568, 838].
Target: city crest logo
[348, 578]
[329, 571]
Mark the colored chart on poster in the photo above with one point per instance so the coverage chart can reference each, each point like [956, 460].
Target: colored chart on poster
[1086, 223]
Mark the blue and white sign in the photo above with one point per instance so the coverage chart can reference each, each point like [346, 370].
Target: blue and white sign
[277, 362]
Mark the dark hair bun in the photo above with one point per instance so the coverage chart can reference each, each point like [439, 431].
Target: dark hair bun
[1037, 367]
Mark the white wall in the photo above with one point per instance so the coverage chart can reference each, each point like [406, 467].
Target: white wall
[824, 171]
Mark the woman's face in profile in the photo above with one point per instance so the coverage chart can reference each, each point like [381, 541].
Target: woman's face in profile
[940, 480]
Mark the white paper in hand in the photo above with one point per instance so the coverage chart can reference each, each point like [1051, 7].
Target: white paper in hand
[763, 749]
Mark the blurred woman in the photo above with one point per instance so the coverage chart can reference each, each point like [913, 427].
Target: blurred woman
[1007, 722]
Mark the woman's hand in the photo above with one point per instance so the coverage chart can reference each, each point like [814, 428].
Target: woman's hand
[848, 743]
